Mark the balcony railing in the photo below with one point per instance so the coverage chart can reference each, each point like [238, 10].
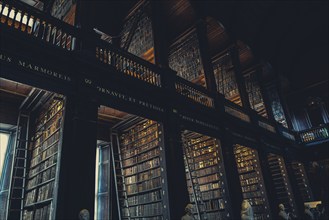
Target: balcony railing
[314, 134]
[32, 23]
[36, 24]
[194, 92]
[236, 111]
[127, 63]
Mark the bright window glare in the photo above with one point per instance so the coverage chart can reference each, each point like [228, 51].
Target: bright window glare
[3, 148]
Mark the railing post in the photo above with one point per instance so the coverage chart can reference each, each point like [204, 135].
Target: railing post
[219, 102]
[168, 77]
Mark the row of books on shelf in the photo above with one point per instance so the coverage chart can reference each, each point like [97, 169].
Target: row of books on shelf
[203, 158]
[213, 194]
[145, 198]
[144, 186]
[248, 163]
[51, 140]
[153, 163]
[45, 164]
[40, 213]
[244, 176]
[141, 157]
[138, 149]
[42, 177]
[39, 194]
[251, 181]
[46, 153]
[143, 176]
[55, 107]
[208, 179]
[244, 158]
[204, 150]
[256, 201]
[208, 170]
[213, 204]
[251, 194]
[140, 142]
[243, 151]
[45, 134]
[196, 140]
[210, 186]
[143, 210]
[247, 169]
[200, 145]
[206, 163]
[137, 128]
[132, 137]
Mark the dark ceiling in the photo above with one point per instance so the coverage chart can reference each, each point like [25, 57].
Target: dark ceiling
[291, 35]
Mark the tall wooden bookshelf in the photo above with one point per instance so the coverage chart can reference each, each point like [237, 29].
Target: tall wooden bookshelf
[225, 78]
[280, 180]
[303, 185]
[45, 148]
[185, 59]
[251, 181]
[137, 34]
[141, 178]
[254, 93]
[205, 176]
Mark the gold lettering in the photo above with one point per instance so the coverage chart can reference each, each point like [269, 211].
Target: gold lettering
[88, 81]
[21, 63]
[5, 58]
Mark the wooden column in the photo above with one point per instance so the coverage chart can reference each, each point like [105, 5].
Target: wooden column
[232, 176]
[239, 76]
[267, 177]
[176, 177]
[76, 186]
[159, 27]
[205, 56]
[294, 186]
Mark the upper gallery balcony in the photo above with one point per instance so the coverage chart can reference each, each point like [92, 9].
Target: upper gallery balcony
[25, 22]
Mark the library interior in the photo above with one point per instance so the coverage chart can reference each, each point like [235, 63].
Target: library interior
[164, 110]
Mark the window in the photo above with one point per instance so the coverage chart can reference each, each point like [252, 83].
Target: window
[4, 139]
[102, 191]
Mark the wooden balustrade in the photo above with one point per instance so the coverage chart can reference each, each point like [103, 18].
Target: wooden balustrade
[314, 134]
[35, 24]
[128, 64]
[194, 92]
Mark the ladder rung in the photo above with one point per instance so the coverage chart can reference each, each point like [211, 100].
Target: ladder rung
[20, 188]
[23, 140]
[18, 198]
[23, 149]
[18, 177]
[21, 158]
